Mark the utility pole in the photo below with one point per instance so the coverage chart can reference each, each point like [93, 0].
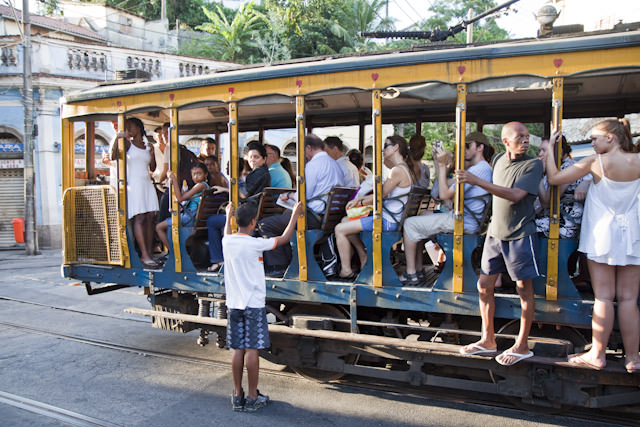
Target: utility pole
[470, 28]
[163, 10]
[31, 239]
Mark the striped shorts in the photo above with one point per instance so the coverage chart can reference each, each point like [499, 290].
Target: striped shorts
[248, 328]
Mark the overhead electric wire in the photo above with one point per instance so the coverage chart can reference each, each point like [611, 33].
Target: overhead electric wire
[412, 8]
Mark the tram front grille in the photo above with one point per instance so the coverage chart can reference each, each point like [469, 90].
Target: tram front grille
[90, 218]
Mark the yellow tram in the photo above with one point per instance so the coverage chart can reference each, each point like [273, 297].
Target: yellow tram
[360, 327]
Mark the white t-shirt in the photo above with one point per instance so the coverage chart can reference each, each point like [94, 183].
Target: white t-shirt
[350, 174]
[160, 159]
[244, 271]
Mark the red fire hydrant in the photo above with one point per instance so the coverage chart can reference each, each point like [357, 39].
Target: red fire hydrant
[18, 229]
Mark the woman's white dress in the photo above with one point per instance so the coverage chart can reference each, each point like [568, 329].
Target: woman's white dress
[141, 194]
[610, 232]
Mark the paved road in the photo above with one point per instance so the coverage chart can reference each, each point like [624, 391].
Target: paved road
[128, 388]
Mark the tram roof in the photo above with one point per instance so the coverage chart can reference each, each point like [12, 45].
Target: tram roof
[373, 60]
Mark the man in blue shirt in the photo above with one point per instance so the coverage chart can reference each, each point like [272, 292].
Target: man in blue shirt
[279, 176]
[322, 173]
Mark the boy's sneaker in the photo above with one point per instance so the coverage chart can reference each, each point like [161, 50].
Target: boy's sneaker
[253, 405]
[238, 402]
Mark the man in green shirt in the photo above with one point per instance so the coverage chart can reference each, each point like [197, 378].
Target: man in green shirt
[511, 244]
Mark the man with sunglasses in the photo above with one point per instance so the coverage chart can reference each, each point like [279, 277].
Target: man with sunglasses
[417, 229]
[511, 243]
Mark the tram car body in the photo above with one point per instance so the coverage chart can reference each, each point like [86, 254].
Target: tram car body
[373, 326]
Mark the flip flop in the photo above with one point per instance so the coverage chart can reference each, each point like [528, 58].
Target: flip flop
[151, 265]
[215, 267]
[519, 357]
[477, 350]
[578, 361]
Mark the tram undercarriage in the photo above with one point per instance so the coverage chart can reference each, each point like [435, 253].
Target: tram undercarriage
[315, 341]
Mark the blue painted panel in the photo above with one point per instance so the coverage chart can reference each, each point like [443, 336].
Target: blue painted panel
[566, 289]
[187, 265]
[469, 278]
[389, 275]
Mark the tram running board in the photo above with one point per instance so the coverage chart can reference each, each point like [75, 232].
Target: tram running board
[541, 346]
[419, 346]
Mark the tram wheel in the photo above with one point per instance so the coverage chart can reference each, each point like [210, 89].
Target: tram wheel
[568, 333]
[315, 374]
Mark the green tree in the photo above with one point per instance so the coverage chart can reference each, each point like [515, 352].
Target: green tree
[365, 16]
[189, 12]
[272, 42]
[233, 39]
[447, 13]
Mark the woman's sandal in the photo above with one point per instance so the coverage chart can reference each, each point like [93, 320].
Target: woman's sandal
[421, 276]
[349, 278]
[409, 279]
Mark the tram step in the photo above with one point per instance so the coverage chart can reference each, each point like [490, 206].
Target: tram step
[542, 346]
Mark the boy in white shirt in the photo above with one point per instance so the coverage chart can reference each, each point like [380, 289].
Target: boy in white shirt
[244, 280]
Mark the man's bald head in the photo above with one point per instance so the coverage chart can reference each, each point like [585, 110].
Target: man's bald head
[515, 137]
[511, 129]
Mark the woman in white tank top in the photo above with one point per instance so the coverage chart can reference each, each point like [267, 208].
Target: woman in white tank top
[610, 237]
[395, 191]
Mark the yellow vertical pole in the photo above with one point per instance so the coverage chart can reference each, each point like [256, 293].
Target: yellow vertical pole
[376, 118]
[175, 206]
[301, 187]
[458, 228]
[233, 141]
[68, 177]
[122, 192]
[67, 154]
[554, 208]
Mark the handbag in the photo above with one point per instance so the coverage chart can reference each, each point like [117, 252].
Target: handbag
[358, 212]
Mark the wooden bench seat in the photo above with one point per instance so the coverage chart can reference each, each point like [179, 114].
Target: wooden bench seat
[267, 205]
[210, 204]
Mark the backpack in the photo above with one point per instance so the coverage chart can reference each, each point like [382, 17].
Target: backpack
[328, 255]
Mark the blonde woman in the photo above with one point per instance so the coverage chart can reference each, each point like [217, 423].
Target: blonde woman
[610, 236]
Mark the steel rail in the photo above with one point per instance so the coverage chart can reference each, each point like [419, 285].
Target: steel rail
[137, 350]
[71, 310]
[51, 411]
[355, 381]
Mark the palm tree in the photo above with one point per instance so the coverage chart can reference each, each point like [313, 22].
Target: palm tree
[365, 16]
[233, 39]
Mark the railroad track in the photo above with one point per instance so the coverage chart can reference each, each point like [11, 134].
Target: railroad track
[351, 381]
[347, 381]
[71, 310]
[51, 411]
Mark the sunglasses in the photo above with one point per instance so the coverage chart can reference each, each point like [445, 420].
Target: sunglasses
[387, 145]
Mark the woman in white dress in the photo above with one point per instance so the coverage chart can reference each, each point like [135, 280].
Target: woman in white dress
[610, 236]
[142, 202]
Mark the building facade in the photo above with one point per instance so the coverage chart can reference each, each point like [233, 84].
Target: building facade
[65, 58]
